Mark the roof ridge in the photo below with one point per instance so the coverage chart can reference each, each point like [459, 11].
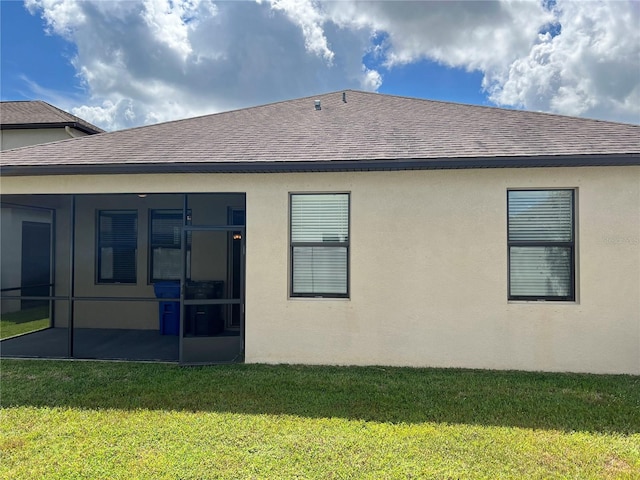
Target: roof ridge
[66, 114]
[233, 110]
[59, 112]
[366, 92]
[497, 107]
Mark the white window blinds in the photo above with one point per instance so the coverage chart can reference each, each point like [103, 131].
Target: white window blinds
[320, 244]
[541, 244]
[541, 215]
[540, 271]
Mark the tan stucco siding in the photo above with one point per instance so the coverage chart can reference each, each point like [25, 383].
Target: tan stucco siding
[429, 276]
[428, 269]
[23, 137]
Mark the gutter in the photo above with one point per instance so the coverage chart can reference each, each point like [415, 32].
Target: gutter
[626, 159]
[37, 126]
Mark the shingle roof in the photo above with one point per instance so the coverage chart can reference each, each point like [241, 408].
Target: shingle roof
[368, 131]
[39, 114]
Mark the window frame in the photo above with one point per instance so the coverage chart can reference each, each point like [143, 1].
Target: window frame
[571, 245]
[174, 212]
[100, 244]
[327, 244]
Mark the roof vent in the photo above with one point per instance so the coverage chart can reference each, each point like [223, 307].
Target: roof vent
[317, 104]
[344, 97]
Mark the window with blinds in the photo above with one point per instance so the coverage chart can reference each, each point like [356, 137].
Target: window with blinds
[117, 246]
[165, 255]
[320, 245]
[541, 243]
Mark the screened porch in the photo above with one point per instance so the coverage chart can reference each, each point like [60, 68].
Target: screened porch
[156, 277]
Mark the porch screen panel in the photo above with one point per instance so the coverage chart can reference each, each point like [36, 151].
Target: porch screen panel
[117, 246]
[541, 244]
[166, 256]
[320, 244]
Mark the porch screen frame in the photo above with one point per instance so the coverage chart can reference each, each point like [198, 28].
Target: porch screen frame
[51, 297]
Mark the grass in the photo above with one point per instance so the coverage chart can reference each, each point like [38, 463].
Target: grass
[23, 321]
[117, 420]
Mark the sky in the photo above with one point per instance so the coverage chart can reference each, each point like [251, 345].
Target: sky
[120, 64]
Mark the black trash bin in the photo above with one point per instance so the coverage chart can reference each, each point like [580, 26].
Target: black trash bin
[204, 320]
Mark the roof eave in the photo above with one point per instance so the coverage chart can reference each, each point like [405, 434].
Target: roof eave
[326, 166]
[39, 126]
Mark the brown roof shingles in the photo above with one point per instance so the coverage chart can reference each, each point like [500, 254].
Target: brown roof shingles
[36, 113]
[367, 127]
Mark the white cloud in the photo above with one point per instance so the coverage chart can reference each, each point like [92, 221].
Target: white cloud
[591, 68]
[171, 59]
[306, 14]
[62, 17]
[153, 60]
[372, 79]
[470, 34]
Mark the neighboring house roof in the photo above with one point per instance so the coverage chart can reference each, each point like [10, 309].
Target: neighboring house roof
[368, 131]
[38, 114]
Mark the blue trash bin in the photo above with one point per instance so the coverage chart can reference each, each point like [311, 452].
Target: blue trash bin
[168, 312]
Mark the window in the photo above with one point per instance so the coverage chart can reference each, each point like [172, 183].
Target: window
[320, 245]
[117, 246]
[541, 243]
[165, 256]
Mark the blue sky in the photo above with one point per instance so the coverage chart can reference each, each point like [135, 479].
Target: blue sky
[30, 55]
[123, 64]
[45, 60]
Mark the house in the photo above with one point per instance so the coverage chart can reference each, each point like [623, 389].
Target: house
[29, 122]
[25, 123]
[346, 228]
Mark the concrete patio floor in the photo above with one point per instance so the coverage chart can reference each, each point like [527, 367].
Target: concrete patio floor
[94, 343]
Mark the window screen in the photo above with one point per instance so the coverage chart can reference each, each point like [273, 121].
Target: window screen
[320, 245]
[165, 262]
[117, 246]
[541, 244]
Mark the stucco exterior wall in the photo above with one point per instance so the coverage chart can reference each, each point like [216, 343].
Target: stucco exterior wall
[429, 275]
[428, 269]
[34, 136]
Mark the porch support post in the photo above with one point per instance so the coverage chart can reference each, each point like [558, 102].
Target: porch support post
[183, 275]
[52, 269]
[72, 231]
[243, 248]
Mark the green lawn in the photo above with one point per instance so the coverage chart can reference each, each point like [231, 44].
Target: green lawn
[23, 321]
[97, 420]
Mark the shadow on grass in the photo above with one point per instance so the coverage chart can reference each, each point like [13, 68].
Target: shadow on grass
[567, 402]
